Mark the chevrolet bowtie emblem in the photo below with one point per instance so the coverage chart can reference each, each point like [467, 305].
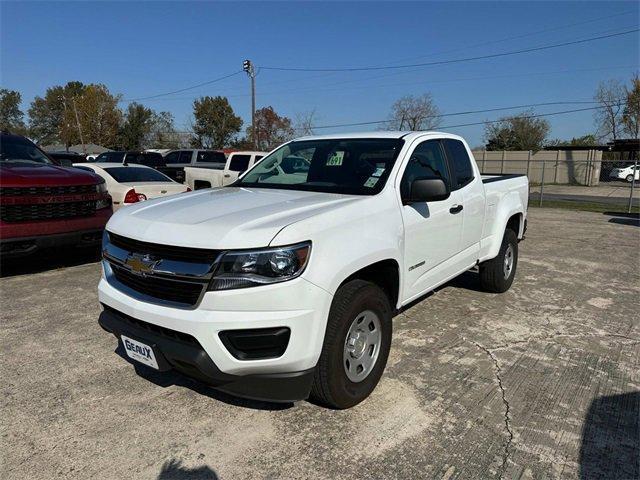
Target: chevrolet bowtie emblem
[141, 264]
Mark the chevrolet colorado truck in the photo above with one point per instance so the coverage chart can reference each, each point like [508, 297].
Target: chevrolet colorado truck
[45, 205]
[283, 284]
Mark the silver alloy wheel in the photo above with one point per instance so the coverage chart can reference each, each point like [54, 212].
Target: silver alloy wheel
[508, 262]
[362, 346]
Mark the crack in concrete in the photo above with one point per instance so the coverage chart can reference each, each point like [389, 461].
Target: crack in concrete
[507, 406]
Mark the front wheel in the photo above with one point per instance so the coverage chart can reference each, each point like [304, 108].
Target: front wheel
[496, 275]
[356, 346]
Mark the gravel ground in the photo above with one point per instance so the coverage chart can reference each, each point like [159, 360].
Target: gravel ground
[540, 382]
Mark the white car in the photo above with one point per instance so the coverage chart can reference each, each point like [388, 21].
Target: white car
[626, 173]
[131, 183]
[284, 284]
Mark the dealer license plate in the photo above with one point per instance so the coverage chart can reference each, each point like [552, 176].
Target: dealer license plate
[139, 351]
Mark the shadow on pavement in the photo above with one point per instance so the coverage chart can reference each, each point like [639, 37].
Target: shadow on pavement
[166, 379]
[49, 260]
[173, 470]
[623, 218]
[611, 438]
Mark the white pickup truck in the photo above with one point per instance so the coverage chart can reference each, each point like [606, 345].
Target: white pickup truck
[283, 285]
[237, 163]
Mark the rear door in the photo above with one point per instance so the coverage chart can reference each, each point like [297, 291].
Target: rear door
[432, 229]
[468, 182]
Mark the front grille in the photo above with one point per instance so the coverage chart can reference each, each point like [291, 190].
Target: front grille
[168, 252]
[165, 332]
[47, 191]
[46, 211]
[163, 289]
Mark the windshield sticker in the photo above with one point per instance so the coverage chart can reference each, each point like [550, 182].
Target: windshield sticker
[371, 182]
[335, 159]
[379, 171]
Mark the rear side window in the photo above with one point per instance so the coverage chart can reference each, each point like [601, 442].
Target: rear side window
[427, 161]
[172, 157]
[239, 163]
[211, 157]
[185, 157]
[462, 169]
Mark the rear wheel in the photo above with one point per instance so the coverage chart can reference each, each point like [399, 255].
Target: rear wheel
[496, 275]
[356, 346]
[629, 178]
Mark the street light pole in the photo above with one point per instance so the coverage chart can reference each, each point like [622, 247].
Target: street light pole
[248, 67]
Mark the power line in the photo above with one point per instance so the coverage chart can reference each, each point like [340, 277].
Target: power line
[209, 82]
[468, 112]
[457, 60]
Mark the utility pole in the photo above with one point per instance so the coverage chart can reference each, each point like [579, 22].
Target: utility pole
[75, 109]
[250, 70]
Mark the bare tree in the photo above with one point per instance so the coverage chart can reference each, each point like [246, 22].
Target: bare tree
[610, 95]
[414, 113]
[304, 122]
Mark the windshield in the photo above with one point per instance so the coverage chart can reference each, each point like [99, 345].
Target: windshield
[136, 174]
[350, 166]
[17, 149]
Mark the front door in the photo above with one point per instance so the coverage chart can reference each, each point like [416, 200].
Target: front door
[433, 230]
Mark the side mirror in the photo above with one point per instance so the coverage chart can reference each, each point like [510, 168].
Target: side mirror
[427, 190]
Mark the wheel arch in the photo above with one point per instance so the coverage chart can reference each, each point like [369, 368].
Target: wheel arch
[383, 273]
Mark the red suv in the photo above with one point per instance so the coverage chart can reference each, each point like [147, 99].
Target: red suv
[45, 205]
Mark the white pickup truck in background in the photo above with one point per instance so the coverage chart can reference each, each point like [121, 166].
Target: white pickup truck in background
[237, 163]
[284, 284]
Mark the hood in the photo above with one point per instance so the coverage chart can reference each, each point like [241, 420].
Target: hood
[32, 175]
[223, 218]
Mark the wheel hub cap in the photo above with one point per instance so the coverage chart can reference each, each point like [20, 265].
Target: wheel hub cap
[361, 346]
[508, 262]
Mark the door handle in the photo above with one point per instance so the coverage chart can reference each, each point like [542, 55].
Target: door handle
[226, 175]
[455, 209]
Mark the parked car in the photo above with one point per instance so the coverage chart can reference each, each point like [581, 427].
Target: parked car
[150, 159]
[43, 204]
[237, 163]
[626, 173]
[177, 160]
[131, 183]
[284, 284]
[67, 159]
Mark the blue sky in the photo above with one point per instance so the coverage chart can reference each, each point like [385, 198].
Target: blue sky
[140, 49]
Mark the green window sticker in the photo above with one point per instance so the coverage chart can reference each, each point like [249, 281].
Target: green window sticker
[335, 159]
[371, 182]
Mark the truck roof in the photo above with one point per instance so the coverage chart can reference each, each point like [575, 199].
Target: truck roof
[375, 134]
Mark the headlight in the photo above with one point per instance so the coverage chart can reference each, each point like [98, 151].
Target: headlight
[101, 187]
[105, 201]
[244, 269]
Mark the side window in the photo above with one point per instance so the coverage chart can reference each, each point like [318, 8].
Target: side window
[239, 163]
[257, 158]
[459, 157]
[427, 161]
[185, 156]
[172, 157]
[211, 157]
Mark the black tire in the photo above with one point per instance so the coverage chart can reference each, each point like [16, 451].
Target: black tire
[331, 386]
[492, 272]
[629, 178]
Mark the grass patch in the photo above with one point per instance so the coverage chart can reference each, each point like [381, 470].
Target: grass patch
[584, 206]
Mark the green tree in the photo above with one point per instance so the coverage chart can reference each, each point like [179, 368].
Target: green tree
[47, 115]
[98, 117]
[215, 122]
[11, 117]
[631, 112]
[136, 126]
[589, 139]
[519, 132]
[162, 133]
[270, 129]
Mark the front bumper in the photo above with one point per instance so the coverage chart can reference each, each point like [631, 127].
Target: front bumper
[183, 353]
[18, 247]
[297, 305]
